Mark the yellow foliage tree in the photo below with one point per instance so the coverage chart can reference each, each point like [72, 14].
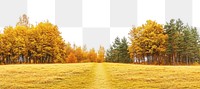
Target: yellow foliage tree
[148, 41]
[101, 53]
[92, 55]
[79, 54]
[71, 58]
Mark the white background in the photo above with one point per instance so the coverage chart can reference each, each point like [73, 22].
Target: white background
[96, 14]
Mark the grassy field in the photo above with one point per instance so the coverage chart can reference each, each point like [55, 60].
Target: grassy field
[98, 76]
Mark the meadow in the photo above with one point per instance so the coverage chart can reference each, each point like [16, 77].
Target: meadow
[98, 76]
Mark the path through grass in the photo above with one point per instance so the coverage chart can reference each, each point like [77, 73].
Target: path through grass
[98, 76]
[101, 80]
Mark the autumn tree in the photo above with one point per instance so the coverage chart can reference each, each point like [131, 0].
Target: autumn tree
[49, 45]
[1, 50]
[85, 54]
[136, 51]
[101, 53]
[79, 54]
[176, 43]
[8, 40]
[92, 55]
[71, 58]
[151, 43]
[27, 43]
[20, 48]
[148, 42]
[67, 50]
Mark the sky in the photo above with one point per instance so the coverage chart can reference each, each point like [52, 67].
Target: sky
[107, 18]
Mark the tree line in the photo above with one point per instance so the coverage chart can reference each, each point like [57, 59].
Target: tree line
[152, 43]
[42, 43]
[118, 51]
[173, 43]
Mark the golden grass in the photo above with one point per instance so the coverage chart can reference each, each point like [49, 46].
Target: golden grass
[129, 76]
[98, 76]
[48, 76]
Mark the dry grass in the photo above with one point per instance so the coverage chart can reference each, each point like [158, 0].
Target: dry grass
[48, 76]
[98, 75]
[129, 76]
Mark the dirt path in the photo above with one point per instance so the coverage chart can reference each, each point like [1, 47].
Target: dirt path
[101, 81]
